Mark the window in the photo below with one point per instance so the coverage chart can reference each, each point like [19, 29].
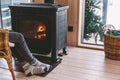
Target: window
[5, 12]
[96, 13]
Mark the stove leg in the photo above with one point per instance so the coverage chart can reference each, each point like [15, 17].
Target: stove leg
[65, 51]
[54, 57]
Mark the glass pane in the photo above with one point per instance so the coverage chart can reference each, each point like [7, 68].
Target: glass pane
[96, 14]
[5, 14]
[20, 1]
[93, 22]
[5, 3]
[113, 14]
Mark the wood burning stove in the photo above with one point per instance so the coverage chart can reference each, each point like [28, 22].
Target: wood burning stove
[43, 25]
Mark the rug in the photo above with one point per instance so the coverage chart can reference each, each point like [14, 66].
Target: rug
[42, 59]
[18, 68]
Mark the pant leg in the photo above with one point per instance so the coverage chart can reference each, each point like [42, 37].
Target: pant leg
[21, 47]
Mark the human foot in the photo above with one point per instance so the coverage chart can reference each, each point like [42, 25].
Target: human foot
[32, 69]
[38, 63]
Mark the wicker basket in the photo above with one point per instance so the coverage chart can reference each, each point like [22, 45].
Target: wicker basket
[112, 46]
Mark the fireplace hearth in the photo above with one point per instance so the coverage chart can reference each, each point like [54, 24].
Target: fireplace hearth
[43, 25]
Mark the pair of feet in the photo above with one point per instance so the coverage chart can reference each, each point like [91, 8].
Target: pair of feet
[36, 68]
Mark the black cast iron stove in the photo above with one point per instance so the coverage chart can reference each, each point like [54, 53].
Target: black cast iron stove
[43, 25]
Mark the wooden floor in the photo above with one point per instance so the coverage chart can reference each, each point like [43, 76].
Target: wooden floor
[79, 64]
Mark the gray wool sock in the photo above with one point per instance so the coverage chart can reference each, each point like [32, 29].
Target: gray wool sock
[26, 66]
[31, 69]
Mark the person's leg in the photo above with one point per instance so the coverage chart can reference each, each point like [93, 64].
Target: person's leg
[23, 54]
[21, 47]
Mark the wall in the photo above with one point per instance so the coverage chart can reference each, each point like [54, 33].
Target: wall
[73, 15]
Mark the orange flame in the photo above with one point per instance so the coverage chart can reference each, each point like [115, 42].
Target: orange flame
[41, 28]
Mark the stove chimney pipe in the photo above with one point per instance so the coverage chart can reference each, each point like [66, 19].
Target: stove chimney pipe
[49, 1]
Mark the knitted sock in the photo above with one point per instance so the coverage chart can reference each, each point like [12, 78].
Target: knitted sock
[34, 70]
[40, 64]
[31, 70]
[37, 63]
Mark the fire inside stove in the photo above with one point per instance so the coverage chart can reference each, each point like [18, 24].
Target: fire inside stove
[40, 31]
[34, 29]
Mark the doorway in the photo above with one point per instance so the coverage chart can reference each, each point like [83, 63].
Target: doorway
[96, 13]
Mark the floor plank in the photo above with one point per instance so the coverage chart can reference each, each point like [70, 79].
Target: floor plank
[79, 64]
